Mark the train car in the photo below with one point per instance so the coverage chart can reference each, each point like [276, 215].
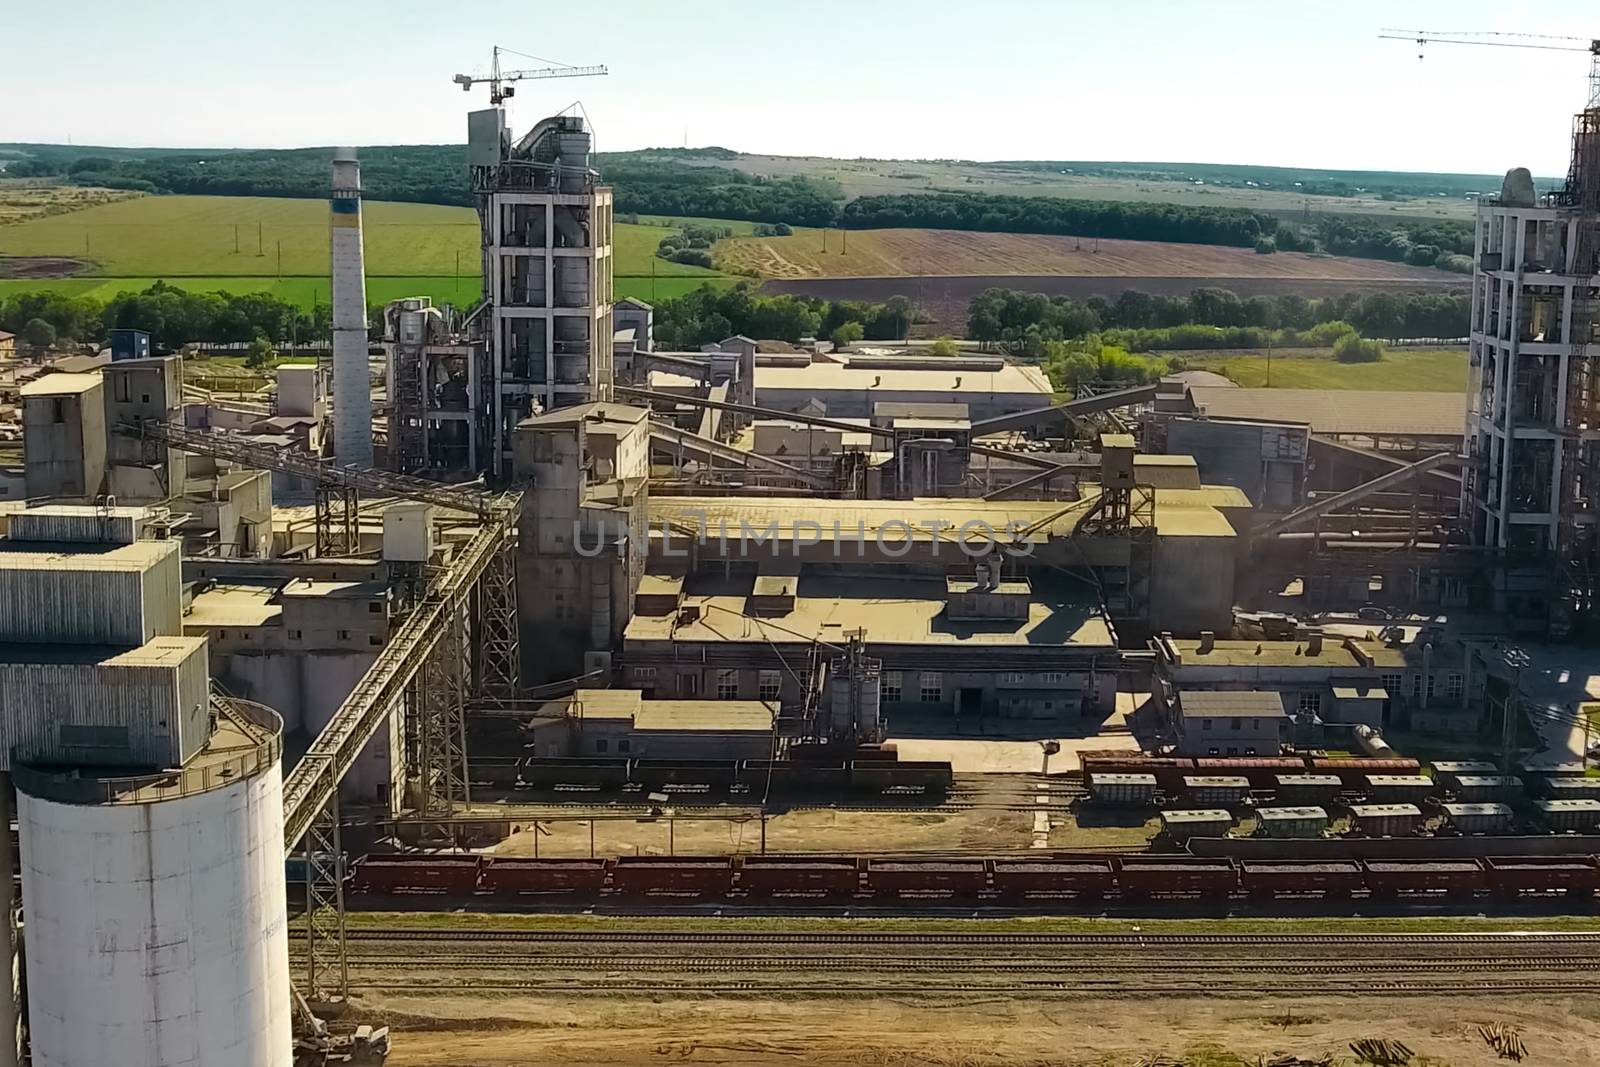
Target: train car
[1480, 788]
[518, 875]
[1120, 789]
[1421, 877]
[441, 875]
[1570, 815]
[662, 773]
[1261, 771]
[1446, 772]
[496, 772]
[1296, 878]
[1571, 788]
[1353, 770]
[954, 878]
[1180, 824]
[1142, 877]
[1399, 788]
[875, 776]
[800, 876]
[1573, 876]
[788, 776]
[1291, 822]
[1386, 820]
[1081, 879]
[1215, 790]
[676, 876]
[551, 772]
[1169, 770]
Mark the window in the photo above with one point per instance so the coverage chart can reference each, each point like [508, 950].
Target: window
[375, 606]
[1433, 680]
[1454, 685]
[1393, 684]
[375, 639]
[622, 745]
[294, 635]
[1052, 678]
[1238, 724]
[1205, 724]
[771, 683]
[120, 389]
[144, 398]
[344, 635]
[644, 674]
[727, 685]
[1013, 678]
[1310, 702]
[600, 744]
[1255, 724]
[1416, 687]
[932, 687]
[688, 685]
[891, 685]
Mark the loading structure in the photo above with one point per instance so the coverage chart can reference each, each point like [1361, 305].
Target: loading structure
[457, 644]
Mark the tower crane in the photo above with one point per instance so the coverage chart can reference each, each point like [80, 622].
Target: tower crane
[1541, 41]
[499, 91]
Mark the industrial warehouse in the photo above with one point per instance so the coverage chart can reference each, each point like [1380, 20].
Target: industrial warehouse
[511, 611]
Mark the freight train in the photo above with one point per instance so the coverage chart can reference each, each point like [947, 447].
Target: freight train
[1058, 877]
[859, 775]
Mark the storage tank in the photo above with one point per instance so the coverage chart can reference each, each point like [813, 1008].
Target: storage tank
[1372, 743]
[156, 930]
[1291, 822]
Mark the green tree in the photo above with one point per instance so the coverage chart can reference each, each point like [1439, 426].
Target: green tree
[260, 354]
[39, 334]
[847, 333]
[944, 346]
[1265, 246]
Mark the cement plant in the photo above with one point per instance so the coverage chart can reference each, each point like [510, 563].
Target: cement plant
[505, 612]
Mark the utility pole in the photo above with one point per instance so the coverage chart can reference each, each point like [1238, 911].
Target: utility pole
[1269, 360]
[280, 260]
[1516, 660]
[236, 238]
[261, 249]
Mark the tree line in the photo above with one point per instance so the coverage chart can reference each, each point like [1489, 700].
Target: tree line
[1209, 318]
[173, 317]
[707, 315]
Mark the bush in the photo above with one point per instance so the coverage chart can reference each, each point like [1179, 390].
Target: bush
[1265, 246]
[944, 346]
[1353, 349]
[847, 333]
[694, 257]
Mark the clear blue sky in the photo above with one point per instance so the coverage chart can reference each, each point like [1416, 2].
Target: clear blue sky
[1300, 83]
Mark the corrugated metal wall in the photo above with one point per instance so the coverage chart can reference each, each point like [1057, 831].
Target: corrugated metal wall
[121, 598]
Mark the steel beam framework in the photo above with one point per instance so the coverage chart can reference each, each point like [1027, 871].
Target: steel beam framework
[327, 966]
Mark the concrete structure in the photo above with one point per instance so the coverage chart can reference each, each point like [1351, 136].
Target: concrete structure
[150, 817]
[8, 345]
[546, 270]
[988, 386]
[621, 722]
[1531, 483]
[352, 385]
[438, 415]
[128, 344]
[1372, 415]
[633, 314]
[1265, 459]
[1239, 723]
[1424, 685]
[137, 390]
[64, 433]
[583, 537]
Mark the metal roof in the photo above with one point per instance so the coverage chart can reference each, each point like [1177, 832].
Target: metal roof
[1216, 704]
[60, 384]
[728, 716]
[594, 412]
[1334, 411]
[837, 377]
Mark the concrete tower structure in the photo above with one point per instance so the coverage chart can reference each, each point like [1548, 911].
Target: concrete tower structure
[546, 229]
[352, 386]
[150, 816]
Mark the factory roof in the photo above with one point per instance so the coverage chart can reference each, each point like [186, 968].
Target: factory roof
[242, 604]
[837, 377]
[60, 384]
[666, 379]
[623, 414]
[160, 651]
[1360, 692]
[606, 703]
[722, 715]
[322, 587]
[1192, 522]
[905, 610]
[83, 556]
[1293, 653]
[1202, 703]
[1336, 411]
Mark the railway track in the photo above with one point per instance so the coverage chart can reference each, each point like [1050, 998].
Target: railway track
[947, 965]
[1341, 942]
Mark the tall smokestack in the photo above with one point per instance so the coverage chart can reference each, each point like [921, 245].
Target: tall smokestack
[352, 387]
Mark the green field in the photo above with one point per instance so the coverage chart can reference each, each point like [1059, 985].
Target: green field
[259, 244]
[1433, 370]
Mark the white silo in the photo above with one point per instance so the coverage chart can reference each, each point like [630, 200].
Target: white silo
[149, 816]
[352, 384]
[156, 929]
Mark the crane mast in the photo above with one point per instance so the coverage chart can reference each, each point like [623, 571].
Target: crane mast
[499, 91]
[1493, 39]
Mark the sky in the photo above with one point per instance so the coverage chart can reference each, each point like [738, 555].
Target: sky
[1269, 82]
